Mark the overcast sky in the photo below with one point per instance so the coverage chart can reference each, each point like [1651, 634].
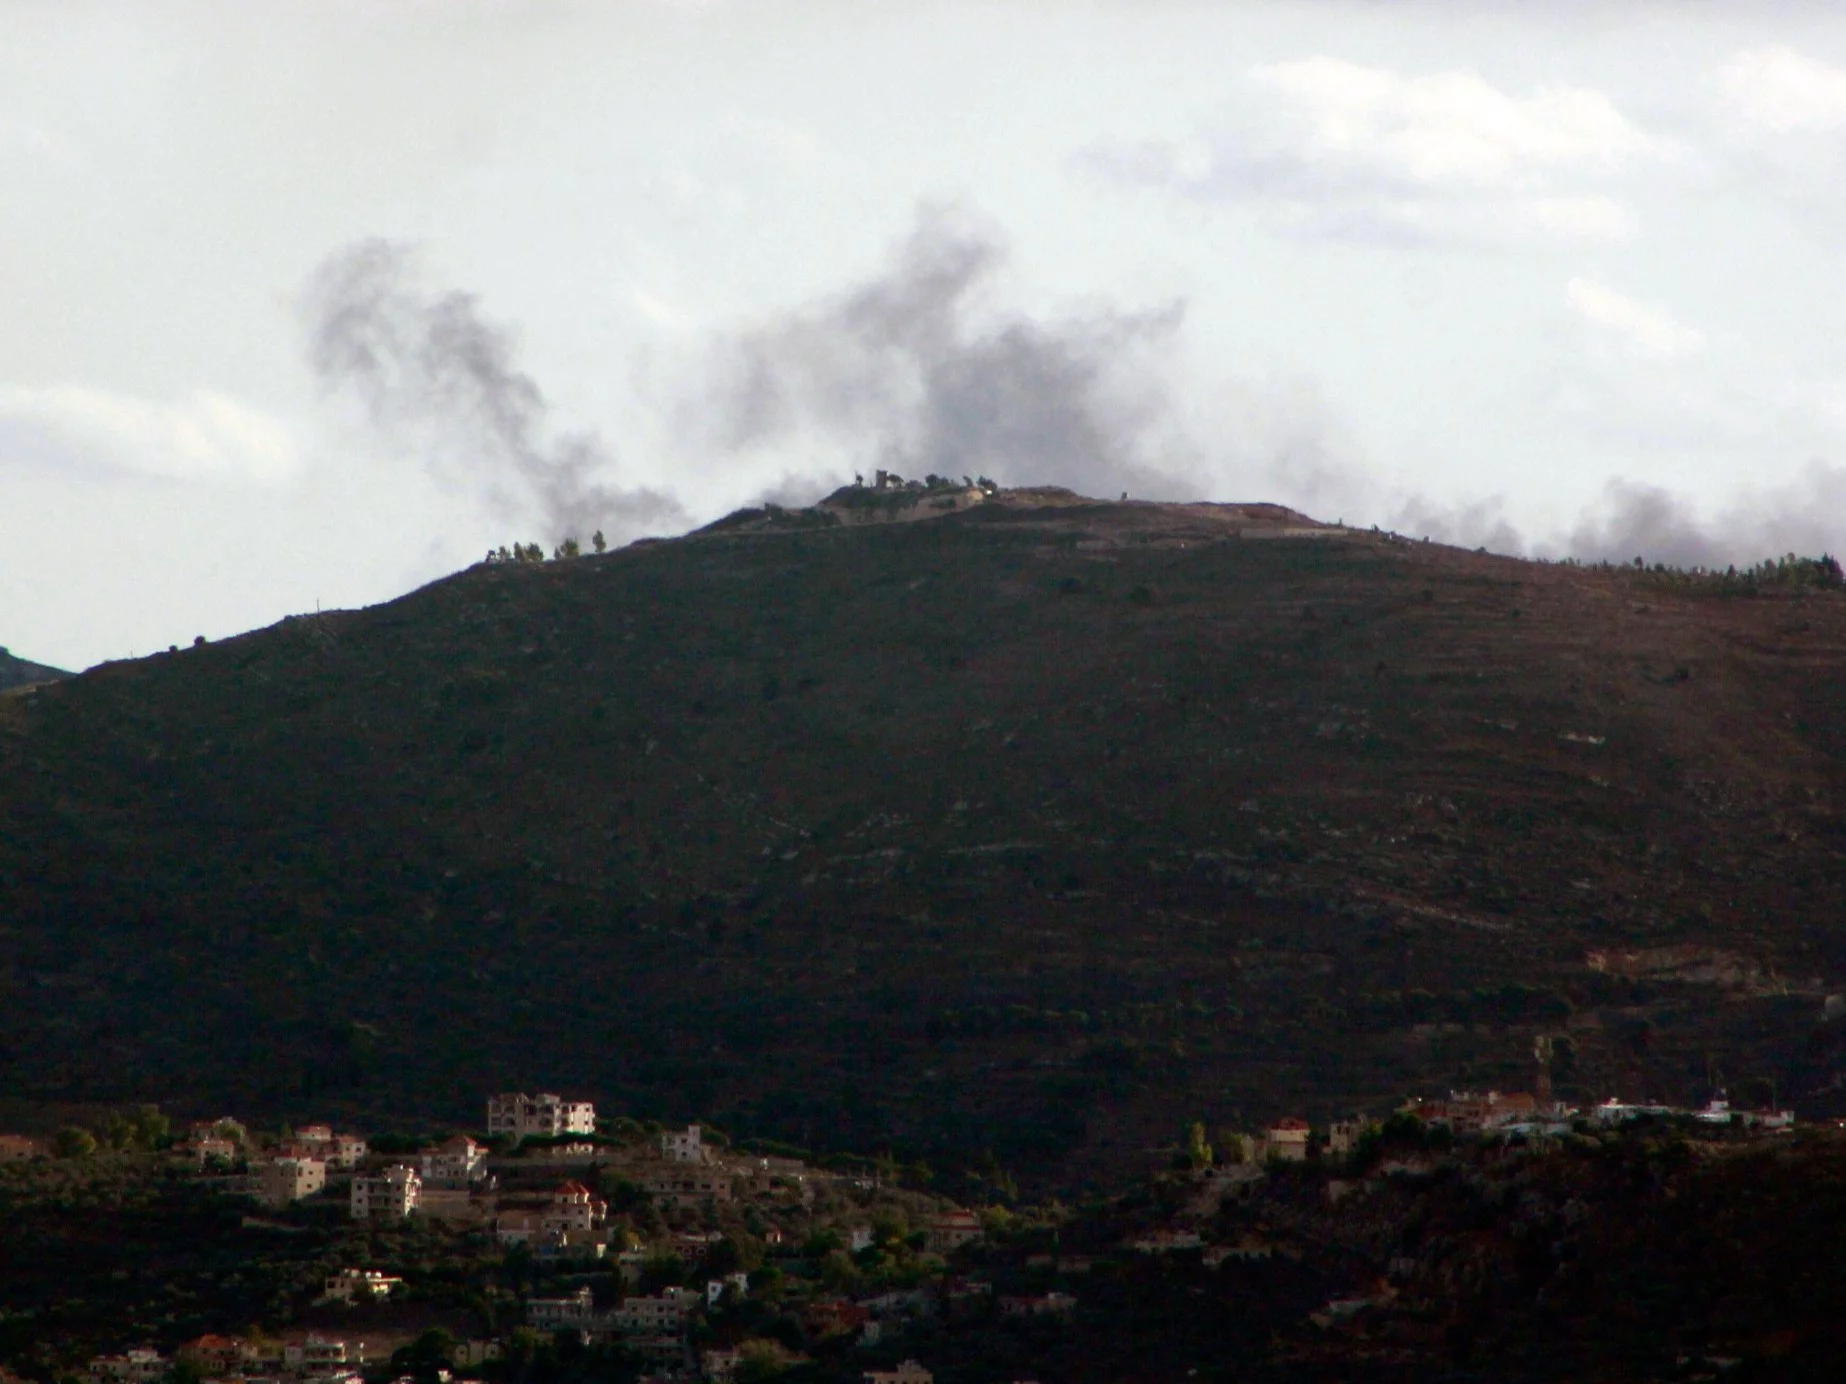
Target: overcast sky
[309, 304]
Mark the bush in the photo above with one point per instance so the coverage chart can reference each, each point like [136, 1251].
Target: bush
[74, 1142]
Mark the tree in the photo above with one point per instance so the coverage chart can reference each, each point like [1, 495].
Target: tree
[598, 542]
[567, 549]
[74, 1142]
[427, 1359]
[1198, 1151]
[762, 1359]
[153, 1130]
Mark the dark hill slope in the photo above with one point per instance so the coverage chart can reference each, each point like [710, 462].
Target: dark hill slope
[17, 672]
[1039, 826]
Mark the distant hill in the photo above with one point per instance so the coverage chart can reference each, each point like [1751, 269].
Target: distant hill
[16, 672]
[1036, 828]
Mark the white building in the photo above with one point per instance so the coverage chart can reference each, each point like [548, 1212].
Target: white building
[391, 1195]
[574, 1207]
[683, 1145]
[139, 1366]
[360, 1285]
[681, 1185]
[283, 1180]
[654, 1316]
[1343, 1136]
[455, 1163]
[213, 1147]
[322, 1355]
[546, 1115]
[549, 1314]
[1286, 1140]
[714, 1290]
[344, 1151]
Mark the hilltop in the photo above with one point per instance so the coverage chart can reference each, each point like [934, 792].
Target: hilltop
[1032, 828]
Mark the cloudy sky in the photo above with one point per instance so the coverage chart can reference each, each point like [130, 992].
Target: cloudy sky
[308, 304]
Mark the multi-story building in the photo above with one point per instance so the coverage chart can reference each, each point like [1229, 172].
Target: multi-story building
[664, 1315]
[142, 1365]
[681, 1185]
[550, 1314]
[322, 1355]
[390, 1195]
[574, 1207]
[456, 1163]
[683, 1145]
[546, 1115]
[282, 1180]
[214, 1355]
[1343, 1136]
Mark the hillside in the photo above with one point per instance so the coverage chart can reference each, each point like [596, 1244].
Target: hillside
[1037, 827]
[17, 672]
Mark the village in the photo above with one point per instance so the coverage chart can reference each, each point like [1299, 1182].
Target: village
[689, 1258]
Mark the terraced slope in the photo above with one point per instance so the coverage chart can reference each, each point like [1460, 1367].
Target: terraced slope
[1037, 827]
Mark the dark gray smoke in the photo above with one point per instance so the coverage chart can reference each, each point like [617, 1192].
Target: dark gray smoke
[1803, 516]
[913, 374]
[437, 377]
[1630, 520]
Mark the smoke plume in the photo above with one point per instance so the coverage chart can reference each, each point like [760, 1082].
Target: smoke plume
[1630, 519]
[916, 372]
[437, 378]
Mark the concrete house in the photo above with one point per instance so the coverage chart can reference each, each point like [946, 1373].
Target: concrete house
[546, 1115]
[454, 1163]
[951, 1230]
[322, 1355]
[664, 1315]
[142, 1365]
[1286, 1141]
[684, 1145]
[551, 1314]
[389, 1196]
[574, 1208]
[1343, 1136]
[687, 1185]
[342, 1151]
[283, 1180]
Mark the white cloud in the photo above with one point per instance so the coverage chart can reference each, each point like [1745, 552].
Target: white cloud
[73, 429]
[1784, 91]
[1578, 218]
[1329, 147]
[1450, 127]
[1652, 329]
